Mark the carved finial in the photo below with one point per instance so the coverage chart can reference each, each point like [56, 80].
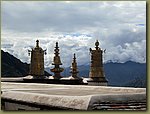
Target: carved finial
[56, 49]
[56, 44]
[74, 58]
[37, 43]
[96, 43]
[74, 70]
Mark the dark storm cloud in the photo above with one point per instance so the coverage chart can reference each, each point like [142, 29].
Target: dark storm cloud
[64, 17]
[44, 16]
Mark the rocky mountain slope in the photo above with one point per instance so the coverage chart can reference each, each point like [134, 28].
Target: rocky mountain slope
[13, 67]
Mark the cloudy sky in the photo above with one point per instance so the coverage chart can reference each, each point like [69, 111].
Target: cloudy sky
[119, 26]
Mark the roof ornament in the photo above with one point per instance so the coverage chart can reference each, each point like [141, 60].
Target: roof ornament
[37, 43]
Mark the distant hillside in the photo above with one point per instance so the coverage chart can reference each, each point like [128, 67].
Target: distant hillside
[130, 73]
[118, 74]
[137, 82]
[11, 66]
[122, 73]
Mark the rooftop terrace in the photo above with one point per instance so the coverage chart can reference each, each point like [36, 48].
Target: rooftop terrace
[76, 97]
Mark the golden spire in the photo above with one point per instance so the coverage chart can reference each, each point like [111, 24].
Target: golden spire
[56, 62]
[37, 61]
[74, 70]
[96, 74]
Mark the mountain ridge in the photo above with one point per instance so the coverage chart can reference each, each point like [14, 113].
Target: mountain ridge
[13, 67]
[118, 74]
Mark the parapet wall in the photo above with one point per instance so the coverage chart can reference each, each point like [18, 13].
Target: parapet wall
[71, 97]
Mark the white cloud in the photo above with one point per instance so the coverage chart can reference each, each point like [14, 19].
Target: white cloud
[119, 26]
